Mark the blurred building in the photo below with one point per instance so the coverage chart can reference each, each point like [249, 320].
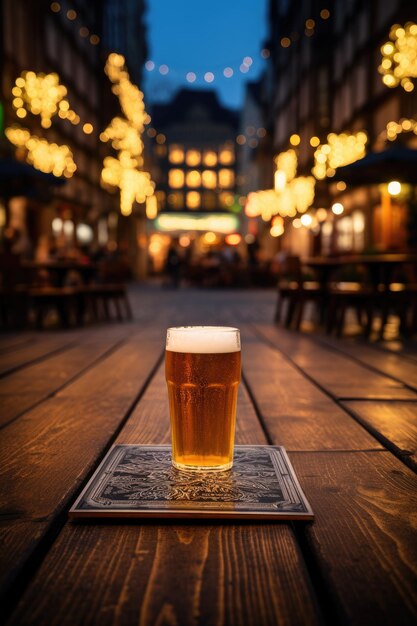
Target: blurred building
[324, 78]
[123, 32]
[254, 163]
[194, 168]
[70, 40]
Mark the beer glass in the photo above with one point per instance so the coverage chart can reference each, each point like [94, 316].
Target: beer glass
[202, 368]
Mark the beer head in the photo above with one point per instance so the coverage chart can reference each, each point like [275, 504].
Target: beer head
[203, 339]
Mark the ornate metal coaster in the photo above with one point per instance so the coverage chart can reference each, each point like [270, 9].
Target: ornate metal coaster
[139, 481]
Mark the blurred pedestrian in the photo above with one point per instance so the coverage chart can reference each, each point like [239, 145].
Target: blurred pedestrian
[173, 263]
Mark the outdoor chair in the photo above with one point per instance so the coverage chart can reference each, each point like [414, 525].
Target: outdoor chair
[110, 292]
[64, 301]
[346, 295]
[295, 291]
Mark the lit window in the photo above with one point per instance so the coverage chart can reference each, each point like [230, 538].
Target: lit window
[226, 199]
[193, 200]
[210, 200]
[176, 200]
[176, 154]
[209, 179]
[226, 156]
[193, 178]
[193, 157]
[226, 178]
[210, 158]
[176, 179]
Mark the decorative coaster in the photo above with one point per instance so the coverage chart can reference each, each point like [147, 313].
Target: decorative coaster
[139, 481]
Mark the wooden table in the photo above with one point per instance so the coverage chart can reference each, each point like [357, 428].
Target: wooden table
[59, 270]
[381, 268]
[347, 414]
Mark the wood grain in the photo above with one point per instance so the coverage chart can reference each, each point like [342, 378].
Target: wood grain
[48, 451]
[169, 574]
[394, 422]
[39, 380]
[172, 574]
[338, 375]
[296, 413]
[400, 368]
[28, 353]
[364, 539]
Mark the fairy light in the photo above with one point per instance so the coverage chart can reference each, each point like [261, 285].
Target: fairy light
[292, 194]
[394, 129]
[39, 94]
[125, 135]
[338, 151]
[287, 162]
[399, 57]
[49, 158]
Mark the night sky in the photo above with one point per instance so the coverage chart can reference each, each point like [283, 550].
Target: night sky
[204, 36]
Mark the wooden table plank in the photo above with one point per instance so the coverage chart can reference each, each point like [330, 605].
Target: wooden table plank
[395, 422]
[172, 573]
[45, 454]
[296, 412]
[11, 341]
[393, 365]
[39, 348]
[340, 376]
[116, 373]
[36, 382]
[364, 538]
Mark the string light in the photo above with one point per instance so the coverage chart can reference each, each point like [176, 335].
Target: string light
[394, 129]
[49, 158]
[338, 151]
[72, 16]
[227, 71]
[399, 57]
[292, 194]
[125, 135]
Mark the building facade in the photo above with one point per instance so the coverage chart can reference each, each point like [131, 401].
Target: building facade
[326, 86]
[68, 40]
[194, 157]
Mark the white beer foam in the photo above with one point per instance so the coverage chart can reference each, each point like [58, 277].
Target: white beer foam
[203, 339]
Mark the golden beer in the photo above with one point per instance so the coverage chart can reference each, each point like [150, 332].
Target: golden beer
[202, 368]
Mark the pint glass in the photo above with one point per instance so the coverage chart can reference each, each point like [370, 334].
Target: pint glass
[202, 369]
